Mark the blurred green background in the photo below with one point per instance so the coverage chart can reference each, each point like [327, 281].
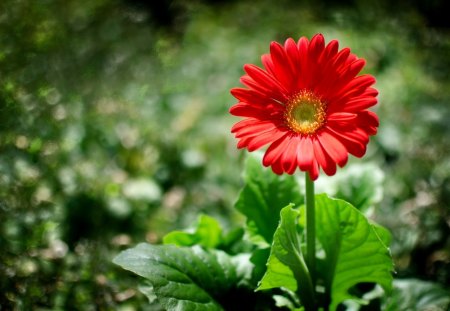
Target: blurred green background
[114, 129]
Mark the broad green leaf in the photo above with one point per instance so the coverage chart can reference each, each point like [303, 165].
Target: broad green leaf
[263, 196]
[413, 294]
[383, 233]
[286, 266]
[186, 278]
[259, 259]
[355, 250]
[208, 234]
[277, 275]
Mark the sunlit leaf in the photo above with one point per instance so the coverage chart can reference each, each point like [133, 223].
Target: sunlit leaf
[185, 278]
[355, 251]
[207, 234]
[286, 266]
[262, 198]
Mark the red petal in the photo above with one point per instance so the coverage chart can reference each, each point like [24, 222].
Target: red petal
[356, 86]
[243, 142]
[246, 110]
[314, 170]
[277, 168]
[244, 123]
[281, 66]
[266, 91]
[315, 50]
[323, 159]
[268, 64]
[326, 84]
[352, 140]
[335, 149]
[368, 120]
[292, 53]
[259, 141]
[337, 84]
[351, 58]
[305, 154]
[275, 150]
[341, 58]
[254, 98]
[303, 54]
[352, 103]
[244, 95]
[342, 117]
[263, 78]
[330, 50]
[255, 129]
[289, 157]
[316, 47]
[360, 103]
[349, 72]
[370, 92]
[352, 69]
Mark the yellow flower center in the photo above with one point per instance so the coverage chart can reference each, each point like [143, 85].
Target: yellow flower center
[305, 113]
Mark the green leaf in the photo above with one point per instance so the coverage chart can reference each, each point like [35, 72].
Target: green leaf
[355, 250]
[383, 233]
[286, 266]
[262, 198]
[259, 259]
[413, 294]
[208, 234]
[231, 238]
[185, 278]
[277, 275]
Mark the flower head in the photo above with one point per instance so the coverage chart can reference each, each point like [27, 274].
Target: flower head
[308, 105]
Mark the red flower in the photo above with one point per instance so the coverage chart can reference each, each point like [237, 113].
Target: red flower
[308, 105]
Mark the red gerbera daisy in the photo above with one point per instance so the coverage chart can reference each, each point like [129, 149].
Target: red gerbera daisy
[308, 104]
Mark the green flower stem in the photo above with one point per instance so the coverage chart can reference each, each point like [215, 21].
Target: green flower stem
[310, 229]
[305, 288]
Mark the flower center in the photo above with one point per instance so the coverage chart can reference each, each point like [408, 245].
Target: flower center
[305, 113]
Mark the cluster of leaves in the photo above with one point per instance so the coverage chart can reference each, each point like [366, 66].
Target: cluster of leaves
[205, 269]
